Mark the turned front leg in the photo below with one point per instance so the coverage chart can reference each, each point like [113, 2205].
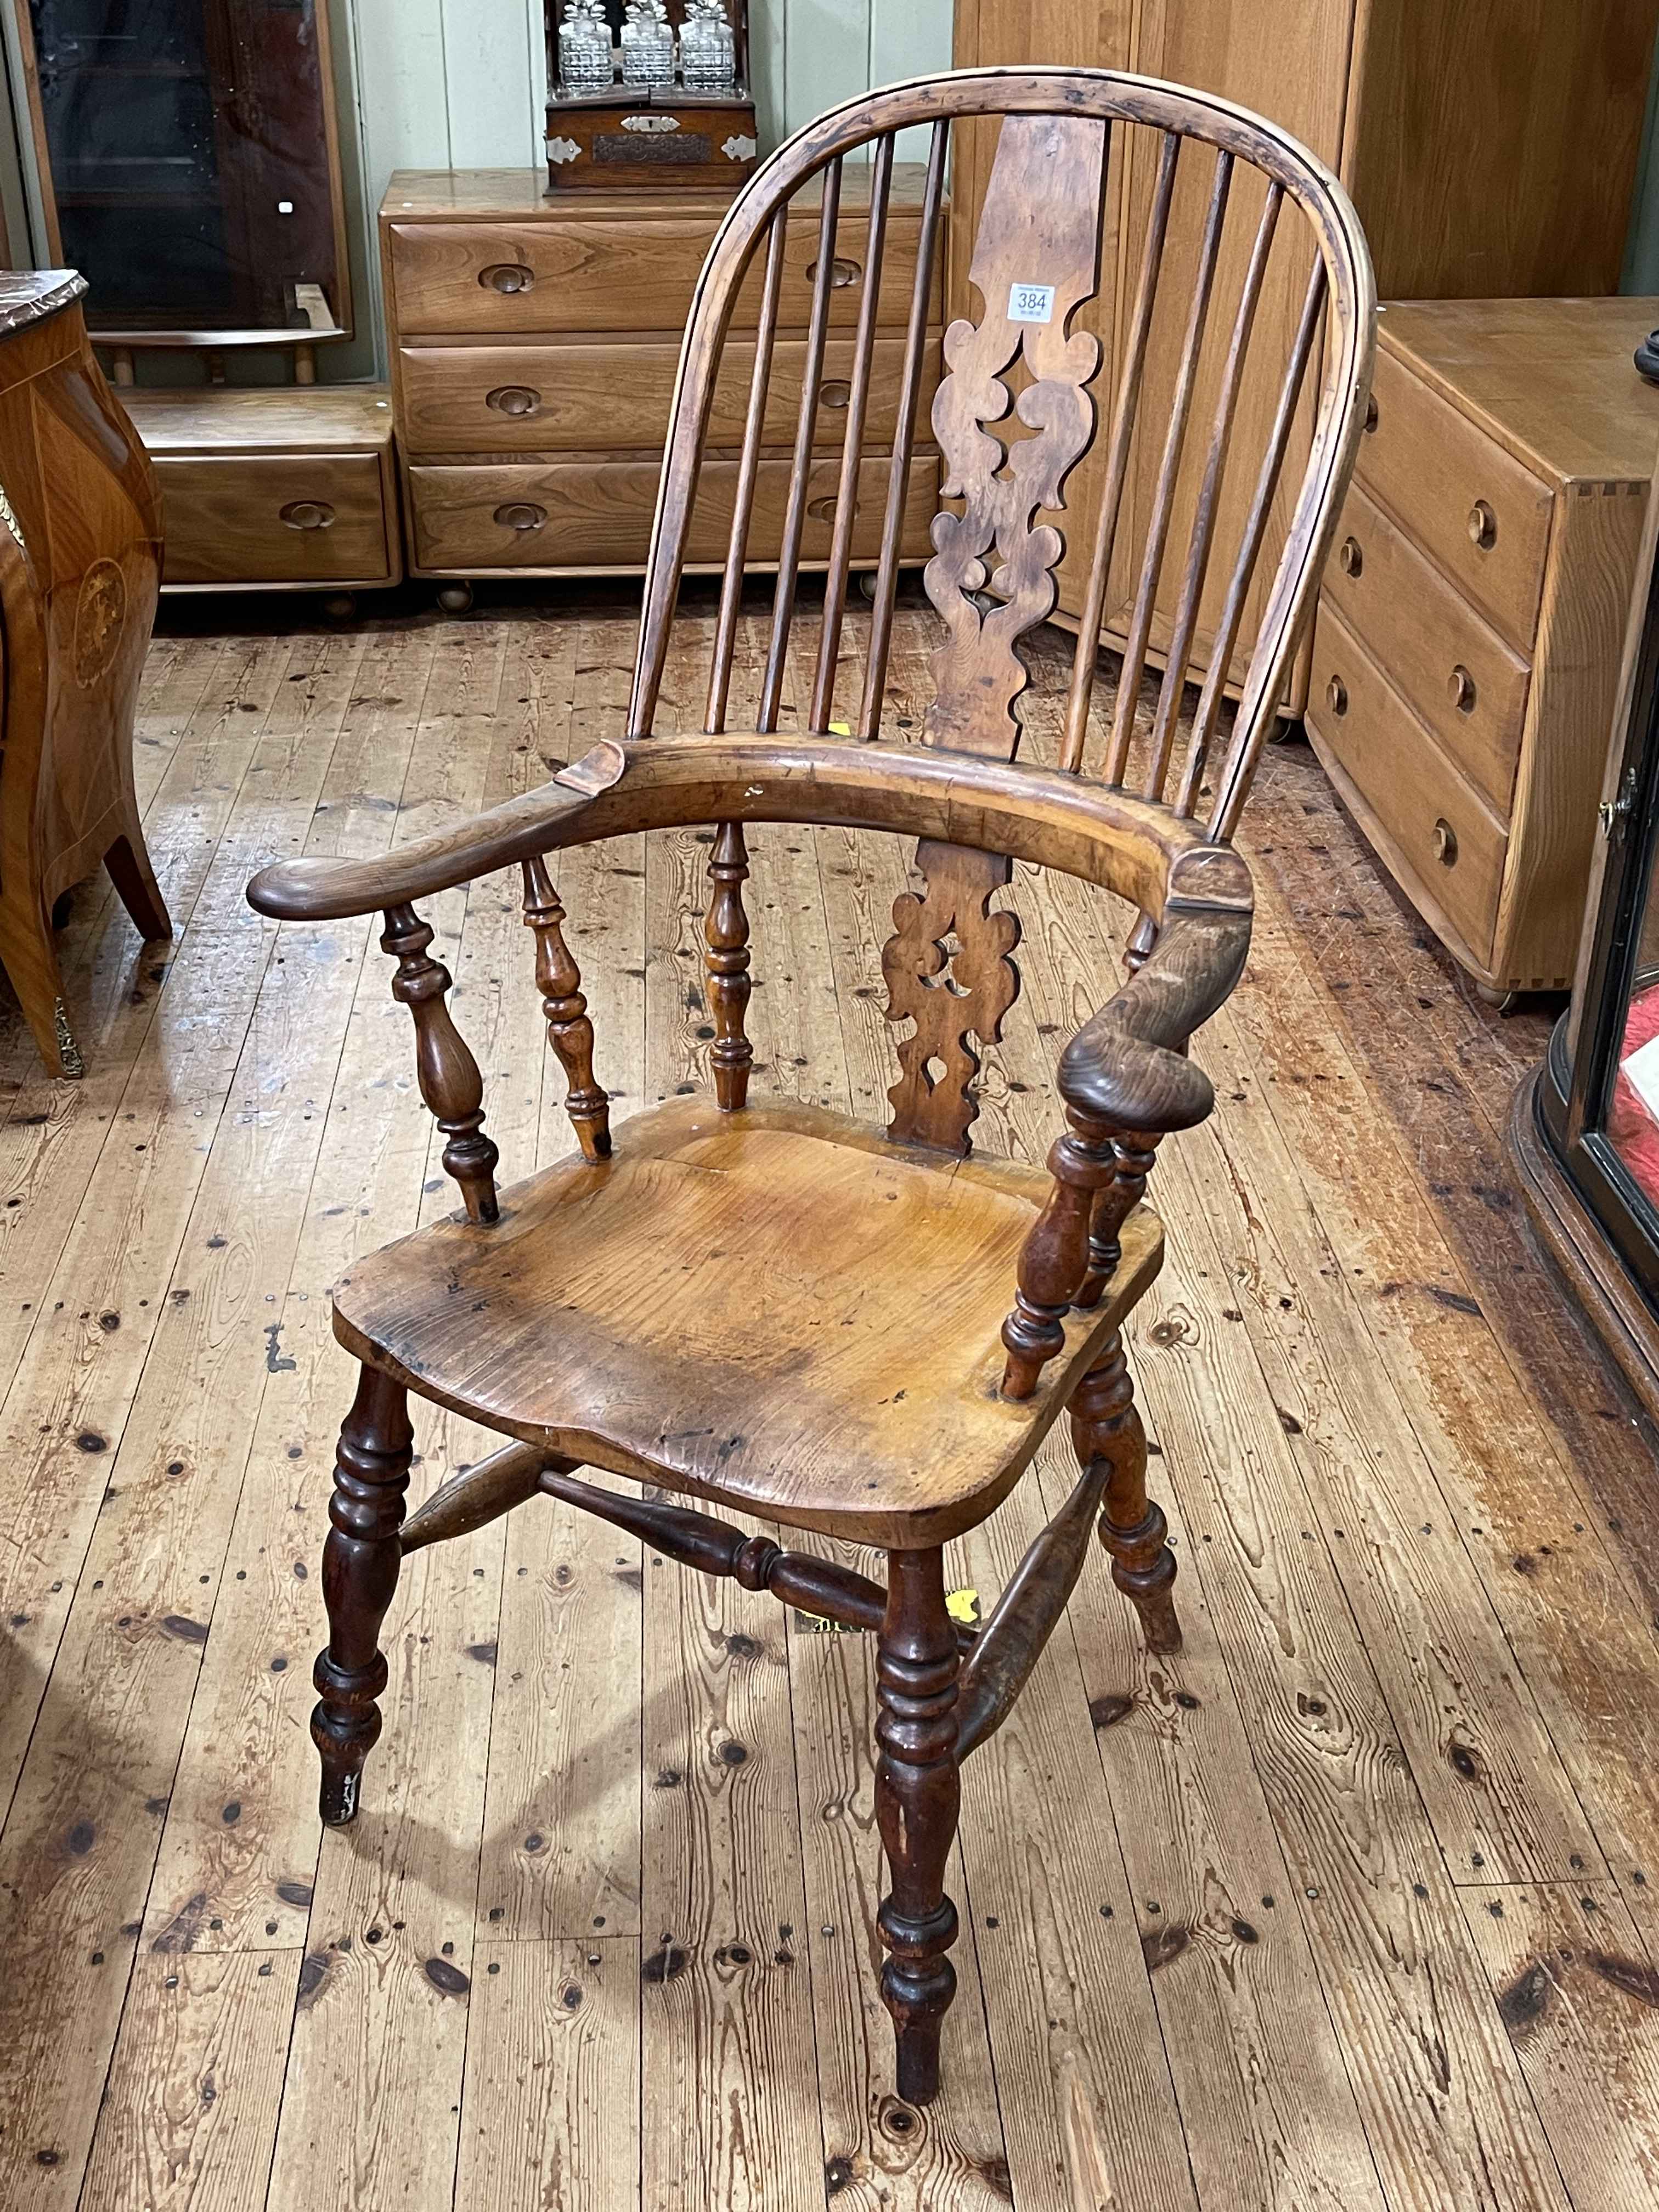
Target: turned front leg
[725, 932]
[1105, 1426]
[569, 1031]
[360, 1575]
[449, 1079]
[918, 1797]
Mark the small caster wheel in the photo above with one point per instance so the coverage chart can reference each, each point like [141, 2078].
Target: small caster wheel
[340, 606]
[1501, 1002]
[1288, 729]
[868, 580]
[455, 598]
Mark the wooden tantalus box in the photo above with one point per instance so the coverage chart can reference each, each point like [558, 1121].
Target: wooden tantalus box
[650, 134]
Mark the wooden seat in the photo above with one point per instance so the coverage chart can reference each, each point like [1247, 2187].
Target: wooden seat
[861, 1333]
[728, 1307]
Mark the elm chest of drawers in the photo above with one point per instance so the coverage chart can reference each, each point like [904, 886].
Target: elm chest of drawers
[274, 488]
[1467, 646]
[534, 343]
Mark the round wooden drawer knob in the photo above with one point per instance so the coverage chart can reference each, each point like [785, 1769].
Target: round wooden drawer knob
[1461, 688]
[520, 514]
[1350, 558]
[1370, 412]
[836, 394]
[841, 273]
[1445, 843]
[1483, 526]
[307, 515]
[1337, 692]
[513, 399]
[506, 276]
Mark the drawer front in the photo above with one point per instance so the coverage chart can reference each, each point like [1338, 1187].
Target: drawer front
[1448, 843]
[1469, 505]
[274, 519]
[616, 275]
[595, 397]
[598, 515]
[1452, 667]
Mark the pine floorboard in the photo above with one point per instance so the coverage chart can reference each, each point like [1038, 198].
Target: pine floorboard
[1351, 1907]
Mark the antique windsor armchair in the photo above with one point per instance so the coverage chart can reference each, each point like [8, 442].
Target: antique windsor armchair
[768, 1305]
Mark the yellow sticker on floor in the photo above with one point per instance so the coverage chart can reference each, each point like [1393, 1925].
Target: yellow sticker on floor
[962, 1605]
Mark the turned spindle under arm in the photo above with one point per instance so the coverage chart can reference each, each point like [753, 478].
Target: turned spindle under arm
[449, 1079]
[1126, 1081]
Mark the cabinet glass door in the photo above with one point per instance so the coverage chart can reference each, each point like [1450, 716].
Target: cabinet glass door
[189, 146]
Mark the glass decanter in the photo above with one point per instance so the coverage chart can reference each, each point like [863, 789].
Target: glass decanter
[647, 43]
[587, 62]
[708, 59]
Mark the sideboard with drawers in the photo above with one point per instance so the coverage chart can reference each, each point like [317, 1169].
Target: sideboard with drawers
[534, 341]
[1468, 640]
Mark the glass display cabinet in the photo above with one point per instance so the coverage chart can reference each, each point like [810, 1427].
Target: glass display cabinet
[189, 166]
[1584, 1133]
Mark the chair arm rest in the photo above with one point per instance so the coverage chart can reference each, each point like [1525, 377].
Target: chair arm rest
[330, 891]
[1128, 1066]
[1134, 847]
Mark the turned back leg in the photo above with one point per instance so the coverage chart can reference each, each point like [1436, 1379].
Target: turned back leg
[1105, 1425]
[360, 1574]
[918, 1797]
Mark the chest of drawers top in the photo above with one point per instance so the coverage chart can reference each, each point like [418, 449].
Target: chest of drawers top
[1552, 382]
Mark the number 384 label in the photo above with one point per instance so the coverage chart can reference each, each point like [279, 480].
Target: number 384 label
[1031, 303]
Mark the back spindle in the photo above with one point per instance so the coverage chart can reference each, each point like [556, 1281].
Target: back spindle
[1151, 565]
[730, 607]
[1086, 657]
[852, 452]
[1255, 708]
[905, 431]
[783, 600]
[1204, 519]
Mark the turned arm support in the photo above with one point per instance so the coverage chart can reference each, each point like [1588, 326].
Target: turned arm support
[1126, 1081]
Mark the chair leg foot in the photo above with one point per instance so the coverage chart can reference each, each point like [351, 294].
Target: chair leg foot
[918, 1797]
[1105, 1425]
[360, 1574]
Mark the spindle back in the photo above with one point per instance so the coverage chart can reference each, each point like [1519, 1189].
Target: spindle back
[1096, 179]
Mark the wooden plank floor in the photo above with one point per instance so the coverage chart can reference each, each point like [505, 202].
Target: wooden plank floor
[1349, 1906]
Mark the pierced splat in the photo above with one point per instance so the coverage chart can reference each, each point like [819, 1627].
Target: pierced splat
[1036, 259]
[948, 969]
[992, 578]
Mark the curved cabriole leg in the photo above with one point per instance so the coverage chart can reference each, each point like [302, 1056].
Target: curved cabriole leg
[918, 1797]
[725, 932]
[450, 1082]
[360, 1573]
[1106, 1426]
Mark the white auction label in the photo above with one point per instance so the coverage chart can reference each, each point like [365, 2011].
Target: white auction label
[1030, 303]
[1643, 1070]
